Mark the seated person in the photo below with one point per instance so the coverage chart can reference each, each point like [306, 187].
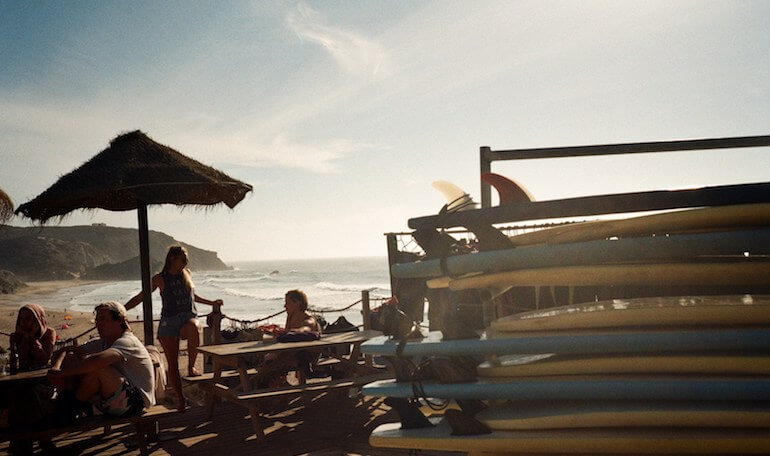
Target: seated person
[33, 340]
[32, 343]
[298, 321]
[114, 373]
[297, 318]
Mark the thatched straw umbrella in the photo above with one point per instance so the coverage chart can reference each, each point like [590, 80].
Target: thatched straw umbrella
[131, 173]
[6, 207]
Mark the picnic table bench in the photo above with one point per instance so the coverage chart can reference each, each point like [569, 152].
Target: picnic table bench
[143, 426]
[144, 423]
[233, 355]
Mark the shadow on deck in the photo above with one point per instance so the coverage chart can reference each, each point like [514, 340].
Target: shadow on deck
[327, 424]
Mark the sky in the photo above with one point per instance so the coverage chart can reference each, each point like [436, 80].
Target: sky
[341, 114]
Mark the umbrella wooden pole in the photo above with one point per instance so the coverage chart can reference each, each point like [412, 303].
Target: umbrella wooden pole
[144, 261]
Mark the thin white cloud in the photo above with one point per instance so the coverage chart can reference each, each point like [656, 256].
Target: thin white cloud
[244, 149]
[52, 130]
[356, 53]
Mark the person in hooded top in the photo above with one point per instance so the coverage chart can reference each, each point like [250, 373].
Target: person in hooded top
[33, 340]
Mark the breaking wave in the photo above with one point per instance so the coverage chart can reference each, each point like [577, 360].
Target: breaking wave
[330, 286]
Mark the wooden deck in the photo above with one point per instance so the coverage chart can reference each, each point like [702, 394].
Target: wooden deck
[327, 424]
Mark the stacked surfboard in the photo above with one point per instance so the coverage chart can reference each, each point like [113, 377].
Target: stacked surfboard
[685, 375]
[712, 246]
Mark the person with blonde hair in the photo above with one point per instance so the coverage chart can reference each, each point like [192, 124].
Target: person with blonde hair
[178, 315]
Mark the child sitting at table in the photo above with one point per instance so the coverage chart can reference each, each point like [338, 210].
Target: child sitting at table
[32, 342]
[300, 326]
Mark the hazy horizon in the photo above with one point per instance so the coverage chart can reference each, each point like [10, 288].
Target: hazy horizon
[342, 114]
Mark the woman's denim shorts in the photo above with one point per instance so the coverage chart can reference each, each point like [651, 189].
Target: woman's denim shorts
[170, 326]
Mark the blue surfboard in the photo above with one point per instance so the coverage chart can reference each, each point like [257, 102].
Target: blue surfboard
[632, 250]
[745, 340]
[584, 388]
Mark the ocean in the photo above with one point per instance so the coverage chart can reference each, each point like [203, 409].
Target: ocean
[256, 289]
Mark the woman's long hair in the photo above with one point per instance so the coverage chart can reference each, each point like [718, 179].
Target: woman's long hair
[177, 251]
[299, 297]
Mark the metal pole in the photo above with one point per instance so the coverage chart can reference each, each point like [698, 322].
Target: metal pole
[392, 252]
[366, 313]
[144, 261]
[486, 167]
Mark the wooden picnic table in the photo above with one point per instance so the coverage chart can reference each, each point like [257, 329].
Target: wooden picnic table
[33, 376]
[234, 355]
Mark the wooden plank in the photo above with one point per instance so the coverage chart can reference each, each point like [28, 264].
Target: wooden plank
[22, 377]
[256, 347]
[151, 414]
[308, 428]
[308, 388]
[209, 377]
[601, 204]
[626, 148]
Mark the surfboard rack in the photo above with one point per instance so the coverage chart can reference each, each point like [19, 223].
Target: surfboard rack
[487, 155]
[722, 195]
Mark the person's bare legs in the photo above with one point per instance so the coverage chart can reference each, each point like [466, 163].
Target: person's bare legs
[103, 382]
[191, 331]
[171, 349]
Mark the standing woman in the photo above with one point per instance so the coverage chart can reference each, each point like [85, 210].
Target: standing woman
[178, 315]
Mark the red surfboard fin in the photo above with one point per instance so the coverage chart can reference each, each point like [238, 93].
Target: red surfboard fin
[509, 191]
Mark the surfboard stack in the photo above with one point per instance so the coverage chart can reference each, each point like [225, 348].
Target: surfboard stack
[641, 376]
[704, 247]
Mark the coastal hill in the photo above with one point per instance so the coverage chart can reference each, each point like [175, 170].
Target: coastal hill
[97, 252]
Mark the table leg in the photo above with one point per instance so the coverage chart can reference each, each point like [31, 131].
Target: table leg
[141, 438]
[243, 375]
[255, 422]
[212, 398]
[354, 355]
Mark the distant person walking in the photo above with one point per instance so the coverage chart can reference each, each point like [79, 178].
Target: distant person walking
[178, 315]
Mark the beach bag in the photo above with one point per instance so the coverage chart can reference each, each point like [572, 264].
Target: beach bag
[340, 325]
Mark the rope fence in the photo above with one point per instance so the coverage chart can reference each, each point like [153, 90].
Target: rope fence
[242, 322]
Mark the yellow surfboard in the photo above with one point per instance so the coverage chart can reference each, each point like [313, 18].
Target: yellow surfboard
[510, 366]
[686, 221]
[643, 312]
[660, 274]
[623, 414]
[579, 441]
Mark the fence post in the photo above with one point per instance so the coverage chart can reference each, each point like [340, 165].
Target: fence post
[212, 335]
[216, 324]
[366, 312]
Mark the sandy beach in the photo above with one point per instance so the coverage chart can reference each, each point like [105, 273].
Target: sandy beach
[35, 292]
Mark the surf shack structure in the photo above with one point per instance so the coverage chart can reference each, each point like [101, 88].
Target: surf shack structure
[696, 242]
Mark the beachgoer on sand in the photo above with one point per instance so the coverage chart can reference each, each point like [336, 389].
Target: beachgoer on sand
[113, 373]
[178, 315]
[32, 342]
